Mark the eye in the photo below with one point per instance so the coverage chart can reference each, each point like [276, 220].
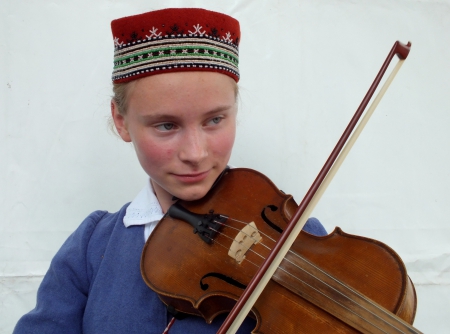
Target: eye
[165, 127]
[215, 120]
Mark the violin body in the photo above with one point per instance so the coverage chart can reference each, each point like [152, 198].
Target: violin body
[200, 278]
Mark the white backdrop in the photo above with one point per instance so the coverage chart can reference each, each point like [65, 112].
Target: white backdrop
[305, 67]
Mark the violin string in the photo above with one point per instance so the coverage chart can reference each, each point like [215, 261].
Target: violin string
[389, 314]
[308, 273]
[345, 286]
[245, 259]
[298, 279]
[326, 296]
[248, 235]
[247, 224]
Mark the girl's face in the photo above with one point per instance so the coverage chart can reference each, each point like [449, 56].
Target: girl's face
[183, 127]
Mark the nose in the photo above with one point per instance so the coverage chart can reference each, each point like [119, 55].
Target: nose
[193, 148]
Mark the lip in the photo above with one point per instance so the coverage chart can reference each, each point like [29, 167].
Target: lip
[192, 177]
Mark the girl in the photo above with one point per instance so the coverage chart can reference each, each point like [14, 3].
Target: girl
[175, 87]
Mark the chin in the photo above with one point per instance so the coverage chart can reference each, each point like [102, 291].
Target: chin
[193, 194]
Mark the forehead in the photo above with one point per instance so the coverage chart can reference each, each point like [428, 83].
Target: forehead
[182, 90]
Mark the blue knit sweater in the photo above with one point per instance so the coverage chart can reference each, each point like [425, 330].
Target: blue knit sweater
[94, 285]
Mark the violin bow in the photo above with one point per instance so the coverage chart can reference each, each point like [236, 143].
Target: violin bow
[315, 192]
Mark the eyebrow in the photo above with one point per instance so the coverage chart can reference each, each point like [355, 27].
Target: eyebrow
[168, 117]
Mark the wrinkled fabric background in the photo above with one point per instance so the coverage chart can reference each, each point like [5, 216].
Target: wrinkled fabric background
[305, 67]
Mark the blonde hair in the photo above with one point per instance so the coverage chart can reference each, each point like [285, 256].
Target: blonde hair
[120, 92]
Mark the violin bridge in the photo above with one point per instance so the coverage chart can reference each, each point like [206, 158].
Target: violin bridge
[246, 237]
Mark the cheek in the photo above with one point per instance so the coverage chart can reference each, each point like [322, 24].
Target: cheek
[224, 144]
[153, 155]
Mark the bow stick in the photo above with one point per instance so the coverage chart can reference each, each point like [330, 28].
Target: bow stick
[326, 174]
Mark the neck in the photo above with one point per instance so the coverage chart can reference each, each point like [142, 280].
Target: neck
[164, 198]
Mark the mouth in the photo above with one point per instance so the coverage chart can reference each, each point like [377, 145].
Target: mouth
[192, 177]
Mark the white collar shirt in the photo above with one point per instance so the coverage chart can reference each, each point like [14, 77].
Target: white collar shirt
[144, 210]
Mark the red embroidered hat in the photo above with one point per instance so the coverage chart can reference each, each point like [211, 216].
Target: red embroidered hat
[172, 40]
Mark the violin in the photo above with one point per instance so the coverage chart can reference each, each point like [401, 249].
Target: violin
[320, 280]
[338, 283]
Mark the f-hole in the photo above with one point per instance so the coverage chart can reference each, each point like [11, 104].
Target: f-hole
[227, 279]
[272, 208]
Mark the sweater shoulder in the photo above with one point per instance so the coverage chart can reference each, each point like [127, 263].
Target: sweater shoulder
[97, 230]
[101, 219]
[315, 227]
[98, 224]
[63, 293]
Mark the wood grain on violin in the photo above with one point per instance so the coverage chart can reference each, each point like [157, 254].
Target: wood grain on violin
[339, 283]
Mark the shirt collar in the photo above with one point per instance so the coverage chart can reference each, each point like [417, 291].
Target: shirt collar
[144, 209]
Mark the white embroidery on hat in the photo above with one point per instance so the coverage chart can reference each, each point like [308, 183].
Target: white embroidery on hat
[227, 37]
[197, 30]
[117, 42]
[153, 33]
